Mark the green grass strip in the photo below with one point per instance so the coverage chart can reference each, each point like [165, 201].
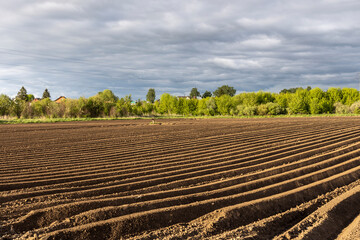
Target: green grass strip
[53, 120]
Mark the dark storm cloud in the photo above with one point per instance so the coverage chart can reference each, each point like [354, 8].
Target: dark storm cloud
[81, 47]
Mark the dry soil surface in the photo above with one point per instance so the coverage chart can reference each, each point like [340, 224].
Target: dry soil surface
[282, 178]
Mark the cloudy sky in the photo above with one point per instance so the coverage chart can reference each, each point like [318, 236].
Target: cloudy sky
[79, 47]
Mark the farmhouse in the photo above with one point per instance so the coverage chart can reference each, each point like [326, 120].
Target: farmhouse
[59, 99]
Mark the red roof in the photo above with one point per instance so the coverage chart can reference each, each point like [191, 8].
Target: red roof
[59, 99]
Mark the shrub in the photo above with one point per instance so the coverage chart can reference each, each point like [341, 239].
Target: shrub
[27, 111]
[246, 110]
[262, 109]
[72, 109]
[274, 109]
[269, 109]
[5, 105]
[355, 107]
[224, 104]
[299, 102]
[56, 110]
[341, 108]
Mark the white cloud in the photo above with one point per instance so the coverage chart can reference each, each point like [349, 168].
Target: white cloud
[50, 7]
[224, 63]
[259, 22]
[83, 47]
[319, 76]
[235, 63]
[322, 27]
[16, 71]
[123, 25]
[261, 42]
[171, 21]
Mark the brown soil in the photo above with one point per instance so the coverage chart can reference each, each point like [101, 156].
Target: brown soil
[281, 178]
[351, 232]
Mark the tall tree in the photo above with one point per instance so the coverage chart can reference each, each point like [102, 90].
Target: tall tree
[299, 102]
[46, 94]
[206, 94]
[5, 104]
[224, 90]
[30, 97]
[194, 93]
[22, 94]
[150, 96]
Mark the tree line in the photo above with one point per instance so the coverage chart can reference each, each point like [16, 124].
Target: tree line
[222, 101]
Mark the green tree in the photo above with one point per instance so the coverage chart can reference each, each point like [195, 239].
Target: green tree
[290, 90]
[138, 108]
[150, 96]
[17, 107]
[299, 102]
[22, 94]
[94, 106]
[27, 110]
[315, 96]
[319, 101]
[5, 105]
[194, 93]
[167, 104]
[334, 95]
[201, 109]
[224, 104]
[224, 90]
[211, 107]
[264, 97]
[30, 97]
[147, 108]
[37, 109]
[104, 101]
[249, 99]
[206, 94]
[350, 95]
[293, 90]
[180, 104]
[283, 99]
[56, 110]
[72, 108]
[207, 106]
[107, 96]
[46, 94]
[190, 107]
[123, 106]
[82, 105]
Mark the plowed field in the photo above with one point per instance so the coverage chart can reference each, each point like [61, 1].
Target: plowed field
[282, 178]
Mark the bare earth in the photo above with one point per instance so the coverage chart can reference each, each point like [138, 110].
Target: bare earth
[281, 178]
[352, 232]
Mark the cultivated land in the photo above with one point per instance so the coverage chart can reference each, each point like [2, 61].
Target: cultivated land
[282, 178]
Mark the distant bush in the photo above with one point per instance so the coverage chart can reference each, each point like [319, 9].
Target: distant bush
[246, 110]
[355, 107]
[5, 105]
[72, 109]
[341, 108]
[262, 110]
[106, 104]
[269, 109]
